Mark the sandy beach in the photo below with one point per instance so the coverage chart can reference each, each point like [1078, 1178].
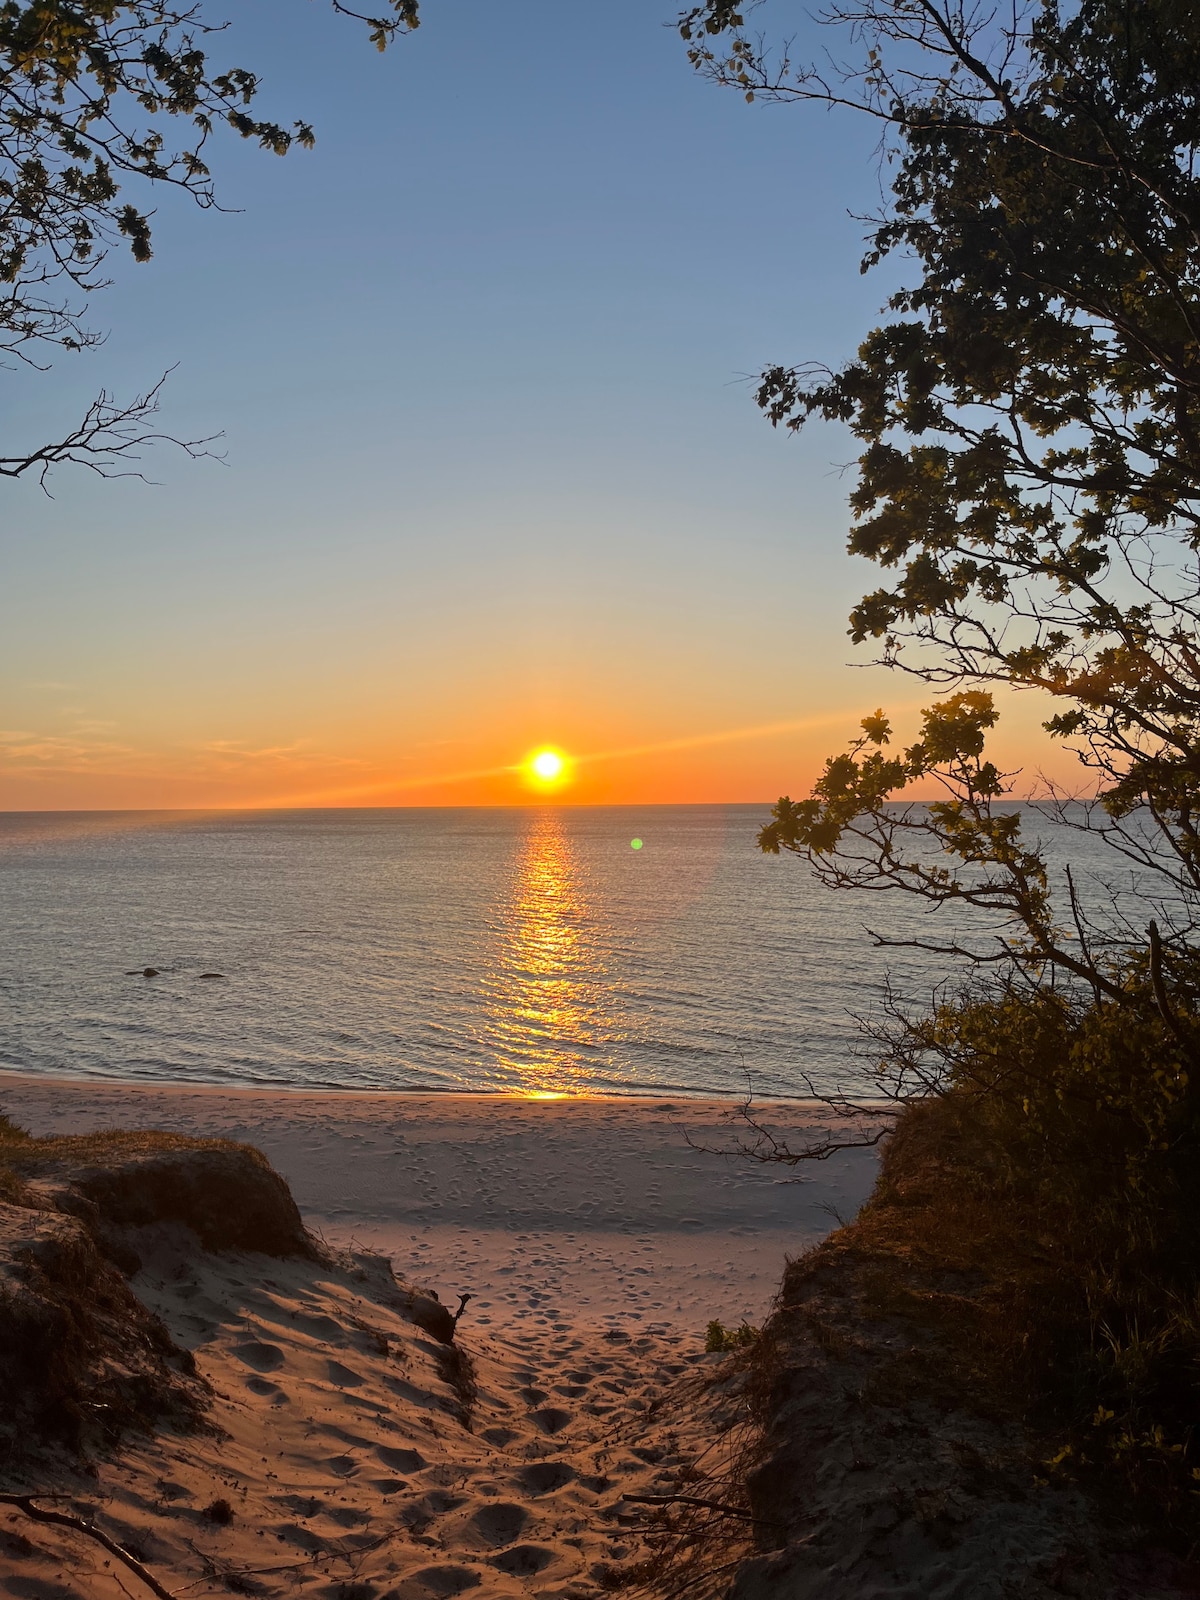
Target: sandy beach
[591, 1210]
[355, 1460]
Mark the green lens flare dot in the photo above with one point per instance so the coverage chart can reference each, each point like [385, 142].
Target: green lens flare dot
[635, 844]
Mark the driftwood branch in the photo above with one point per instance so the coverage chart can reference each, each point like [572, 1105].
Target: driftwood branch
[25, 1503]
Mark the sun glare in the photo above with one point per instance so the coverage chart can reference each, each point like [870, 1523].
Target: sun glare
[547, 767]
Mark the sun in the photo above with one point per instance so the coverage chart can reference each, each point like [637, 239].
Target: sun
[547, 767]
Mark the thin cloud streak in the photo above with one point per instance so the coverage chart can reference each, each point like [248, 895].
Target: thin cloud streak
[698, 741]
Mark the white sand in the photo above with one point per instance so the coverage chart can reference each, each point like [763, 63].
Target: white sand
[596, 1244]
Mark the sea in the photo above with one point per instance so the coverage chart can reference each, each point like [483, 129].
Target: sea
[540, 950]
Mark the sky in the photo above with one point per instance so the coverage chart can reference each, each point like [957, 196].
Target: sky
[491, 476]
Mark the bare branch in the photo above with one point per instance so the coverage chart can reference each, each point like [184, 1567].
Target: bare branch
[108, 441]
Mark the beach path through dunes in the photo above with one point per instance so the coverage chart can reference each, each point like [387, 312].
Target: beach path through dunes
[355, 1457]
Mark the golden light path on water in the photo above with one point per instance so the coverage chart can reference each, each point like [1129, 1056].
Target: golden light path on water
[544, 999]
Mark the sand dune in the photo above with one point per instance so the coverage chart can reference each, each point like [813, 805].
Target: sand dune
[352, 1455]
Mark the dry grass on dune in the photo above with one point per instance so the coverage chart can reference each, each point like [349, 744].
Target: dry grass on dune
[21, 1149]
[1052, 1291]
[227, 1193]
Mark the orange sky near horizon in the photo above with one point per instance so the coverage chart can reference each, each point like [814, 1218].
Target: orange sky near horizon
[88, 769]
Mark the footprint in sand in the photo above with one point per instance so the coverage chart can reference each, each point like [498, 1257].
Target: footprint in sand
[303, 1538]
[262, 1386]
[303, 1505]
[523, 1560]
[400, 1460]
[404, 1390]
[550, 1419]
[318, 1326]
[500, 1436]
[650, 1454]
[434, 1581]
[347, 1516]
[543, 1477]
[343, 1377]
[499, 1524]
[262, 1357]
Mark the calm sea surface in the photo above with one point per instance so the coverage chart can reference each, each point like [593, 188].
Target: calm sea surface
[506, 950]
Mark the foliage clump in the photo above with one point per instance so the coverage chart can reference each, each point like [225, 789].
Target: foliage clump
[718, 1338]
[1059, 1163]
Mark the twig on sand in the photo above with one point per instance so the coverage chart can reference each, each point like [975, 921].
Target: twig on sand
[694, 1500]
[64, 1519]
[213, 1571]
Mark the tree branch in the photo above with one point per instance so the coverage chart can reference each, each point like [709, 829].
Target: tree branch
[107, 440]
[26, 1504]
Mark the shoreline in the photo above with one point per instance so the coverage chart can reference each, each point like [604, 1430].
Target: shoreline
[22, 1077]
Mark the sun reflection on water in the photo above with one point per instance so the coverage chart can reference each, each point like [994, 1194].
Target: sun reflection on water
[545, 996]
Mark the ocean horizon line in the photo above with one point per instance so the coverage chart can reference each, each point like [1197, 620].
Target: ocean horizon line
[516, 805]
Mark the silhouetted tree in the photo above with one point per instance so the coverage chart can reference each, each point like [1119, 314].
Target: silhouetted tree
[1029, 480]
[91, 92]
[1029, 417]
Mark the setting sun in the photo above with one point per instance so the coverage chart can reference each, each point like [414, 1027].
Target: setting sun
[547, 767]
[548, 764]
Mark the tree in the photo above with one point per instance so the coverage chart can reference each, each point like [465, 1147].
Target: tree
[90, 91]
[1029, 480]
[1030, 430]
